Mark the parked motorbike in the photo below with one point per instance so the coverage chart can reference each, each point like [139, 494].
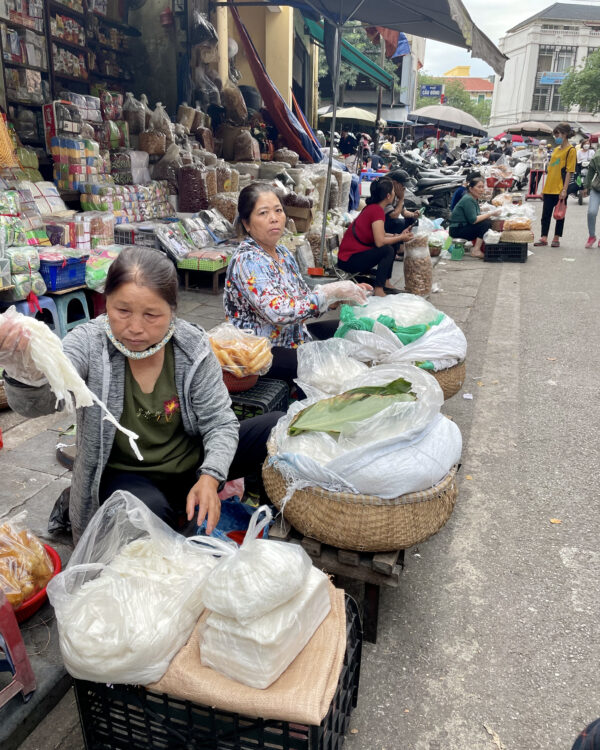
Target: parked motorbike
[521, 169]
[436, 185]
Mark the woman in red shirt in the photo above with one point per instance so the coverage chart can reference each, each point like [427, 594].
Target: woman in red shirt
[366, 244]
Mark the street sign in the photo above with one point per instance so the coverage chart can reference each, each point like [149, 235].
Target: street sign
[431, 90]
[553, 79]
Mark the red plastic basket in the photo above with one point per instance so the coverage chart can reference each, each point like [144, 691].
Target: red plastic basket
[503, 184]
[30, 606]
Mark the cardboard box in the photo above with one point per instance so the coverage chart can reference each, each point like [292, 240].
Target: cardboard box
[303, 217]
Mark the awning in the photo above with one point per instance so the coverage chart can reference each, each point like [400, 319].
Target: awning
[353, 56]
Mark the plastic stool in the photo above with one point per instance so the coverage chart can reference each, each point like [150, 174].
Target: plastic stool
[13, 656]
[47, 305]
[63, 301]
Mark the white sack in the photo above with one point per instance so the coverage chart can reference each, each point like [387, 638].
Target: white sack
[258, 653]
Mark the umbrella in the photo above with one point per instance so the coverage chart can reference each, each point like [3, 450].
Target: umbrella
[448, 118]
[530, 127]
[513, 138]
[354, 113]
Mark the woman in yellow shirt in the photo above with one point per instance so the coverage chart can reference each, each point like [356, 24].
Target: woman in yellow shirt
[561, 167]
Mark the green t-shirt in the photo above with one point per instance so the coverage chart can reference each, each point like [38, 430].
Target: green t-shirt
[466, 211]
[156, 418]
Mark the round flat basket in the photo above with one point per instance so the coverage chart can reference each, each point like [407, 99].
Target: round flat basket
[364, 522]
[451, 379]
[237, 385]
[3, 399]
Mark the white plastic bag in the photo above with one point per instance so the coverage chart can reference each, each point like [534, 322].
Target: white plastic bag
[324, 367]
[491, 237]
[405, 448]
[259, 577]
[257, 653]
[130, 595]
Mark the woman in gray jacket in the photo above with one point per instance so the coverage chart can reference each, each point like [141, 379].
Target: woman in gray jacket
[159, 378]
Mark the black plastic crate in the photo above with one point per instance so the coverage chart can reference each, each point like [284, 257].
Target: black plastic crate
[510, 252]
[266, 396]
[126, 717]
[127, 235]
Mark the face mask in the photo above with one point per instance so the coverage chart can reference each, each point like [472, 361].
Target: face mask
[558, 140]
[585, 148]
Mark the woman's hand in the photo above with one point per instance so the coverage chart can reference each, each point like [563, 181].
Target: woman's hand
[404, 236]
[366, 287]
[203, 496]
[563, 194]
[13, 337]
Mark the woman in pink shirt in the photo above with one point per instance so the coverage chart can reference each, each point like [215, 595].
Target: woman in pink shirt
[366, 244]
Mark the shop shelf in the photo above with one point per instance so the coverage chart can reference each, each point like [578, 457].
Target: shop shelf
[66, 43]
[22, 102]
[67, 77]
[61, 8]
[18, 25]
[128, 717]
[129, 30]
[12, 64]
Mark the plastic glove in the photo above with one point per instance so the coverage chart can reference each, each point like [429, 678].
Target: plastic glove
[346, 291]
[15, 355]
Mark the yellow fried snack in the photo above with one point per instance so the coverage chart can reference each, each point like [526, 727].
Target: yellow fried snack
[242, 357]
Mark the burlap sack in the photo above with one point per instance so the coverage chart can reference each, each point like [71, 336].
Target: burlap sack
[302, 694]
[517, 235]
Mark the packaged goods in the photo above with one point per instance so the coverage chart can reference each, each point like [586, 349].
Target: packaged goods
[244, 148]
[130, 596]
[130, 168]
[297, 201]
[226, 204]
[44, 360]
[223, 177]
[217, 223]
[502, 199]
[24, 284]
[174, 240]
[249, 168]
[258, 652]
[418, 270]
[324, 367]
[186, 115]
[193, 189]
[205, 137]
[96, 268]
[147, 110]
[406, 447]
[517, 223]
[235, 106]
[134, 114]
[25, 567]
[286, 155]
[240, 352]
[23, 259]
[235, 181]
[161, 122]
[168, 167]
[153, 142]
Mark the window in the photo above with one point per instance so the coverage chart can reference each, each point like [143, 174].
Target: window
[551, 59]
[480, 98]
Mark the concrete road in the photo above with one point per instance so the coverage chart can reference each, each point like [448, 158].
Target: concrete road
[492, 640]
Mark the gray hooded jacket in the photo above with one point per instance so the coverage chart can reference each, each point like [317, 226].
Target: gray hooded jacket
[205, 407]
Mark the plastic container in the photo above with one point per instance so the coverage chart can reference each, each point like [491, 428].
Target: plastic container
[30, 606]
[60, 275]
[457, 251]
[128, 716]
[266, 396]
[508, 252]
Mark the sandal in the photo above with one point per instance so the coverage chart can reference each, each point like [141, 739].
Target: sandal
[555, 243]
[391, 290]
[541, 243]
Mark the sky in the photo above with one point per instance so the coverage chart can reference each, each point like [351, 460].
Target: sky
[494, 20]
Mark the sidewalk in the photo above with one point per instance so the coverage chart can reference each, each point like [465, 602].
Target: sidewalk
[34, 479]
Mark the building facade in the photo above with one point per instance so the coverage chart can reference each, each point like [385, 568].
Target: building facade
[541, 50]
[479, 89]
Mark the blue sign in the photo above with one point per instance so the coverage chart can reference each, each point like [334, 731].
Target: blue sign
[432, 90]
[552, 79]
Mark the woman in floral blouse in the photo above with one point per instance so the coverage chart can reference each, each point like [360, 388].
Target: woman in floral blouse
[265, 291]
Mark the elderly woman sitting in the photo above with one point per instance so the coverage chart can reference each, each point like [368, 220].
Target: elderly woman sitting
[265, 291]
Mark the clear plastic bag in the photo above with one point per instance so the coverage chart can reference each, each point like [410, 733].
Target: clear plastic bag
[25, 566]
[418, 269]
[130, 595]
[324, 367]
[134, 114]
[240, 352]
[259, 577]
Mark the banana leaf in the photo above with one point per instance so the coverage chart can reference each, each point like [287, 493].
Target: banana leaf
[331, 414]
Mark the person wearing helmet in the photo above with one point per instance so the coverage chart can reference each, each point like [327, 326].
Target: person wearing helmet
[397, 217]
[507, 149]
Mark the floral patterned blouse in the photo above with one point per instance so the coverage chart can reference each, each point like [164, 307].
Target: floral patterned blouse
[270, 297]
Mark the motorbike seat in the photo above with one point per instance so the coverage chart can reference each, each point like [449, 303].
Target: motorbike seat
[425, 182]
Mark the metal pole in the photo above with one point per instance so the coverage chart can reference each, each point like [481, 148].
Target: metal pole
[379, 96]
[336, 80]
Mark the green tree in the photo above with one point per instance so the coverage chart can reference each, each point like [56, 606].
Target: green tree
[582, 86]
[355, 35]
[424, 79]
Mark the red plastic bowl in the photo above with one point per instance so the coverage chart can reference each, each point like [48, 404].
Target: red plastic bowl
[30, 606]
[239, 536]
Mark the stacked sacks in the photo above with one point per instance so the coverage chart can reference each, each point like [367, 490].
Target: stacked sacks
[266, 601]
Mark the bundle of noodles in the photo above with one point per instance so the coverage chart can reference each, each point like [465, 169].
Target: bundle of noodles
[46, 357]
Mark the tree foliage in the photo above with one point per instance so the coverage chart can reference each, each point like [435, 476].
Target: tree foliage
[456, 96]
[582, 86]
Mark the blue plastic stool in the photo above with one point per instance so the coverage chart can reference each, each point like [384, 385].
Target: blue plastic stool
[63, 303]
[49, 314]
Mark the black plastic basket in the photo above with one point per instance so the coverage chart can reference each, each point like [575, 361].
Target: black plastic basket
[508, 252]
[125, 717]
[127, 235]
[266, 396]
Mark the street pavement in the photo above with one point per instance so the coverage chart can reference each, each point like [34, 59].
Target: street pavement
[491, 640]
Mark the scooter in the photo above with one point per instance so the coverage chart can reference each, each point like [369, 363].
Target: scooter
[520, 174]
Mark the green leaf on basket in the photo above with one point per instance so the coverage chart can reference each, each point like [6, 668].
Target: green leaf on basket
[331, 414]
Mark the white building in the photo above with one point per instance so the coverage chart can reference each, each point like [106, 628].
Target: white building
[540, 52]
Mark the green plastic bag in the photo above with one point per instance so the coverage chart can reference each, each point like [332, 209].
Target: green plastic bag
[349, 322]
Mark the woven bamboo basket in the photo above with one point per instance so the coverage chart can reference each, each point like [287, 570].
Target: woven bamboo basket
[451, 379]
[3, 399]
[364, 522]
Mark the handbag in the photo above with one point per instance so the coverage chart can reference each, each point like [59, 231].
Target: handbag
[560, 210]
